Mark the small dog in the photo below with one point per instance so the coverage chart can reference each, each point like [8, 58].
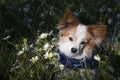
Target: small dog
[76, 41]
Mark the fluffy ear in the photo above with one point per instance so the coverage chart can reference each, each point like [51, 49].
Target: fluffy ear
[69, 20]
[97, 32]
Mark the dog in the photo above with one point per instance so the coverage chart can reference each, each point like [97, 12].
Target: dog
[77, 41]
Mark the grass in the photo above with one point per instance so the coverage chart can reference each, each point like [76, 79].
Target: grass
[24, 64]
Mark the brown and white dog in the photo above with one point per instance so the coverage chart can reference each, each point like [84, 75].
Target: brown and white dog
[77, 40]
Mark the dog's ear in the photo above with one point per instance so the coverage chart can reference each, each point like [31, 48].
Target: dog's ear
[69, 20]
[97, 32]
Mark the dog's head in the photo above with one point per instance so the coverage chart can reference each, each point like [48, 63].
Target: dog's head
[77, 40]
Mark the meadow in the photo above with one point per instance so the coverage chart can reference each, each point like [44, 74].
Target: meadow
[28, 36]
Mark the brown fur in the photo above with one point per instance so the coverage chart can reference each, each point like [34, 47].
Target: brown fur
[68, 21]
[96, 33]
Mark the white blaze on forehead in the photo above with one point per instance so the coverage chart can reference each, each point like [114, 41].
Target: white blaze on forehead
[81, 31]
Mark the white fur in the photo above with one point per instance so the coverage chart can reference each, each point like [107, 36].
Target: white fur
[81, 35]
[66, 47]
[81, 32]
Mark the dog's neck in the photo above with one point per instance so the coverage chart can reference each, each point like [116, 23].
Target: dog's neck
[80, 57]
[76, 63]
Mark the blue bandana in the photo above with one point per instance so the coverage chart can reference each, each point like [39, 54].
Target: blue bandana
[75, 63]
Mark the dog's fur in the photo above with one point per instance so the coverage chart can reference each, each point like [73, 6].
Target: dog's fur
[77, 40]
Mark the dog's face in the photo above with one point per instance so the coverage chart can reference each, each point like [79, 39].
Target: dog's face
[77, 40]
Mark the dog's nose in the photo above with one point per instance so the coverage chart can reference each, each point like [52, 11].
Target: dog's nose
[74, 50]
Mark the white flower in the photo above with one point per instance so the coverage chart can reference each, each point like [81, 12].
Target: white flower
[48, 55]
[97, 57]
[43, 35]
[56, 54]
[61, 66]
[52, 46]
[6, 38]
[31, 45]
[20, 52]
[31, 75]
[46, 46]
[34, 59]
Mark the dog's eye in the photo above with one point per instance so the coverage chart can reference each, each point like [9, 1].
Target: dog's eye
[83, 42]
[70, 38]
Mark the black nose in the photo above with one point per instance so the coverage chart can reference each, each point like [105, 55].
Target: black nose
[74, 50]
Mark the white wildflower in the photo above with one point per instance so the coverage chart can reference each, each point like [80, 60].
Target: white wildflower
[20, 52]
[43, 35]
[97, 57]
[61, 66]
[31, 45]
[52, 46]
[46, 47]
[34, 59]
[56, 54]
[48, 55]
[31, 75]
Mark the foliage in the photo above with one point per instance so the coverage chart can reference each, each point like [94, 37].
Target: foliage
[35, 61]
[39, 60]
[21, 19]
